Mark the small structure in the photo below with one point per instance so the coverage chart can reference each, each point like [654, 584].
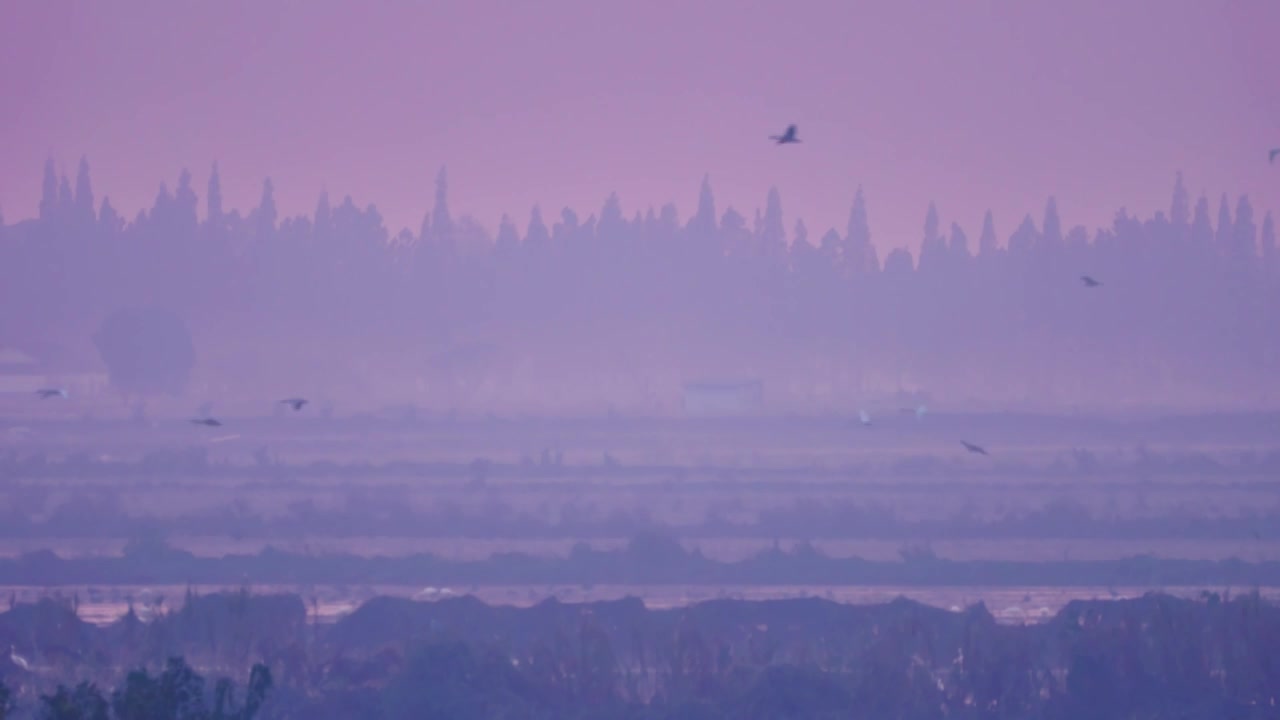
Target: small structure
[720, 399]
[22, 374]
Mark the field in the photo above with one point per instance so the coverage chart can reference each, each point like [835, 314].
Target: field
[1071, 488]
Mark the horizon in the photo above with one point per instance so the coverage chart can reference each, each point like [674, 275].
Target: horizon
[683, 214]
[988, 106]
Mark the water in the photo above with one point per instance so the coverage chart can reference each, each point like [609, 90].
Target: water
[102, 605]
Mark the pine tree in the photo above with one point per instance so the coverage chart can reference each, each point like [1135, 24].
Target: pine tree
[1201, 226]
[987, 243]
[933, 248]
[1244, 234]
[85, 216]
[959, 244]
[265, 215]
[704, 221]
[1051, 232]
[441, 222]
[1222, 236]
[1180, 208]
[536, 238]
[508, 239]
[213, 199]
[860, 255]
[773, 234]
[49, 192]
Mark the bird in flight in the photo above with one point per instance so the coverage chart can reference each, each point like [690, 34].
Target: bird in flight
[211, 422]
[864, 417]
[295, 403]
[1271, 157]
[46, 393]
[1088, 281]
[787, 137]
[973, 448]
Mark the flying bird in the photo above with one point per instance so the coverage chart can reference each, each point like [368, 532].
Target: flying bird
[295, 403]
[17, 659]
[864, 417]
[1088, 281]
[211, 422]
[973, 448]
[787, 137]
[1271, 157]
[46, 393]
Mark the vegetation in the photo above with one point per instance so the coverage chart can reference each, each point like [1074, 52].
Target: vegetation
[147, 351]
[1151, 657]
[649, 559]
[632, 302]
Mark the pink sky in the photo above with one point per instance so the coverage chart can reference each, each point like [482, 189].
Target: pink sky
[976, 104]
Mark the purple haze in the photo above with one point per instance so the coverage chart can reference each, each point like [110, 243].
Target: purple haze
[980, 106]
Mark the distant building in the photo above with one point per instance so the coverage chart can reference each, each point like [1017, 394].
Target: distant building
[711, 399]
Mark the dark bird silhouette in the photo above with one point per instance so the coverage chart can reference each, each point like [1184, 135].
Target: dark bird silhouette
[211, 422]
[46, 393]
[295, 403]
[973, 448]
[1088, 281]
[1271, 157]
[787, 137]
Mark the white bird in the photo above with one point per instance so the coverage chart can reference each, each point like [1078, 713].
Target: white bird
[18, 660]
[46, 393]
[864, 417]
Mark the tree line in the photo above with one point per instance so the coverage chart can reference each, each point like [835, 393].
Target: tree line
[1183, 310]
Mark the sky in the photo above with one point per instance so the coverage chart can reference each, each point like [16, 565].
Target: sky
[978, 104]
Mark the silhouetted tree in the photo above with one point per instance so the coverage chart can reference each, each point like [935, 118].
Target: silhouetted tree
[84, 702]
[213, 198]
[703, 222]
[265, 216]
[184, 207]
[1268, 242]
[1051, 231]
[49, 192]
[84, 197]
[1180, 207]
[1202, 227]
[441, 222]
[536, 238]
[933, 248]
[860, 255]
[987, 242]
[147, 351]
[1223, 232]
[959, 244]
[508, 240]
[1244, 233]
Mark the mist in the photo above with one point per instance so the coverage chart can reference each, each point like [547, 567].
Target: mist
[639, 360]
[590, 312]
